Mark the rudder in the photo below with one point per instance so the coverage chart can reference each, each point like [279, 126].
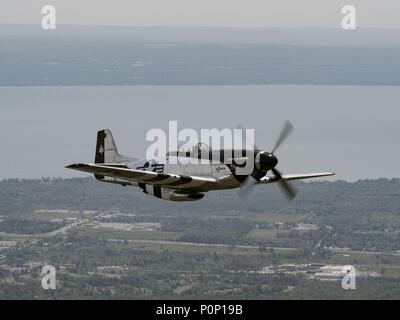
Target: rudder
[106, 150]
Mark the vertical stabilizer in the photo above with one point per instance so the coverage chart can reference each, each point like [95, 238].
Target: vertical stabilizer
[106, 150]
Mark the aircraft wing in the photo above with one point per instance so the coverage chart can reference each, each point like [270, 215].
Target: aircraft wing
[287, 177]
[141, 176]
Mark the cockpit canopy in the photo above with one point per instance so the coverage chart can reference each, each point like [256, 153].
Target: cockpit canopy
[199, 148]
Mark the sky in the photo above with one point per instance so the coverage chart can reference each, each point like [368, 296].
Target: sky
[214, 13]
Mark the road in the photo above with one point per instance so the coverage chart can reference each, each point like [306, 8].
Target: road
[200, 244]
[365, 252]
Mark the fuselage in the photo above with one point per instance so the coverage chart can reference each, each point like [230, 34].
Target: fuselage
[222, 172]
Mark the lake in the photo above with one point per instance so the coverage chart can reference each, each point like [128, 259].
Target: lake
[352, 130]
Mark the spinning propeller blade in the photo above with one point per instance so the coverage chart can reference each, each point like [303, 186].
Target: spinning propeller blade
[287, 128]
[288, 190]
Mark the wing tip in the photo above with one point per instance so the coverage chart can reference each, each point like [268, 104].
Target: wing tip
[75, 166]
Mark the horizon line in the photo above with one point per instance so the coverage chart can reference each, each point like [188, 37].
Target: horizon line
[205, 26]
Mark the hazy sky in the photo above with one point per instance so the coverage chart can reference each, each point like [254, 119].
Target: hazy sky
[228, 13]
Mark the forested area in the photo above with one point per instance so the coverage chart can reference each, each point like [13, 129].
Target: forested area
[221, 241]
[366, 202]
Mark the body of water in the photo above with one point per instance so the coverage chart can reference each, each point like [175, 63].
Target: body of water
[352, 130]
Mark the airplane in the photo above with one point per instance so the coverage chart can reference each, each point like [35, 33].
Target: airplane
[189, 182]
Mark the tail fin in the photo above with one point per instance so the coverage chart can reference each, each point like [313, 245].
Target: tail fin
[106, 150]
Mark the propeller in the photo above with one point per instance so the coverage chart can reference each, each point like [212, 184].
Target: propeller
[288, 190]
[265, 161]
[287, 128]
[246, 186]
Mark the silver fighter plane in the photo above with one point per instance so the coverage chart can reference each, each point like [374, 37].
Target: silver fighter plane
[189, 182]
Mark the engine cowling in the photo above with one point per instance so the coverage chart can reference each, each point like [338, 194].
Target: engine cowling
[265, 161]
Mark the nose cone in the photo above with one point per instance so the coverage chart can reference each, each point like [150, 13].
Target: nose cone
[268, 161]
